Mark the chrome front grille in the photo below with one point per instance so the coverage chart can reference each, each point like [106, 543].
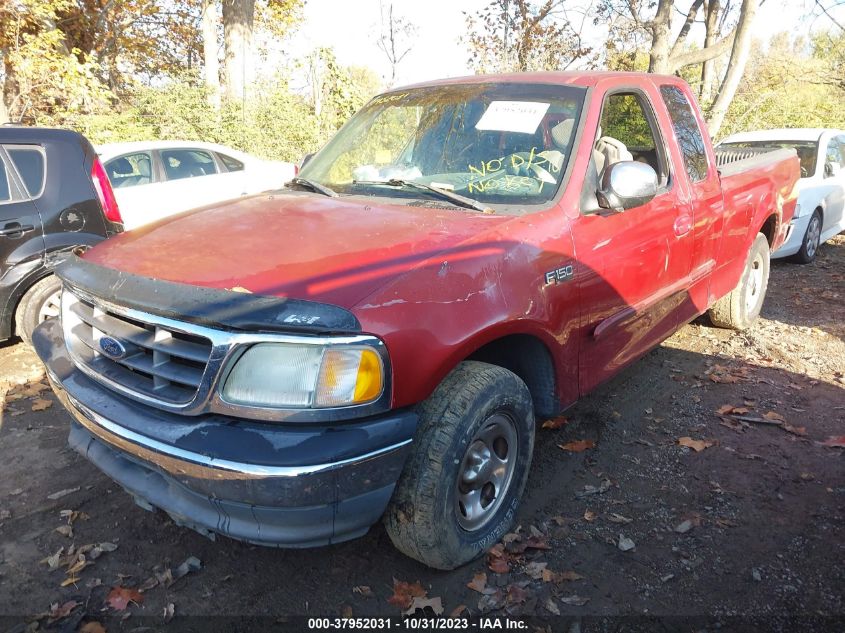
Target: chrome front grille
[155, 361]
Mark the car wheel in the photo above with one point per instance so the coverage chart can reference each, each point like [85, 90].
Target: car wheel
[741, 306]
[38, 304]
[812, 240]
[460, 489]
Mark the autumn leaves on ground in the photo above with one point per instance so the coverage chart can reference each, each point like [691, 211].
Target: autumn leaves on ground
[705, 480]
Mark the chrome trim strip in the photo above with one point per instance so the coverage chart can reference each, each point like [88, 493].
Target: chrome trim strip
[226, 347]
[96, 423]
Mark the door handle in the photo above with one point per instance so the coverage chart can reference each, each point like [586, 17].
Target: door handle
[683, 224]
[16, 229]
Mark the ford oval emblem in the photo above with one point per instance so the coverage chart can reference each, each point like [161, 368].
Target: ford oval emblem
[112, 348]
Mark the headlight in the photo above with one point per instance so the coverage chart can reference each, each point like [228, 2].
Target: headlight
[302, 376]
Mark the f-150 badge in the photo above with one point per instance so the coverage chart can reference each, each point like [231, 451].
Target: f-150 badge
[559, 275]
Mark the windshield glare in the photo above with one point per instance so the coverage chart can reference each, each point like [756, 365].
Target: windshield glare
[499, 143]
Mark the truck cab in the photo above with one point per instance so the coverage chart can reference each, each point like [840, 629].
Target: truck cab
[462, 258]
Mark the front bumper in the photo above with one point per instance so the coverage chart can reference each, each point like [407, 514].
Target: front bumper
[287, 485]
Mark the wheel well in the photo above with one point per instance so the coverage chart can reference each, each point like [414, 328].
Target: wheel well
[530, 359]
[769, 229]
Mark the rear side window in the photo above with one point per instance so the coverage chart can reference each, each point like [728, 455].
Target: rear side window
[5, 190]
[687, 132]
[130, 170]
[187, 163]
[231, 164]
[29, 161]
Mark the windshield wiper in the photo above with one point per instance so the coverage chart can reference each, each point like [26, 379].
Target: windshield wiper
[444, 194]
[312, 185]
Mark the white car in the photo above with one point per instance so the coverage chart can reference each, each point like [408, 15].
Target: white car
[155, 179]
[820, 213]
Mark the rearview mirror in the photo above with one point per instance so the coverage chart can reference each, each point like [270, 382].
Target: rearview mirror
[625, 185]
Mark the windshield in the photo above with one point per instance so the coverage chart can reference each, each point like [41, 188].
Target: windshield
[497, 143]
[807, 151]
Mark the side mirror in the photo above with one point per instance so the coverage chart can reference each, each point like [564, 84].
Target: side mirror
[305, 160]
[831, 169]
[625, 185]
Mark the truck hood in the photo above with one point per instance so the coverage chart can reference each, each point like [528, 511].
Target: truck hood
[298, 245]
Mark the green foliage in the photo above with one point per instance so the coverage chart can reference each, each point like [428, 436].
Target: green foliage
[791, 83]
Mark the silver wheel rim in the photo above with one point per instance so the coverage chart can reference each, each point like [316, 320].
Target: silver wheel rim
[486, 472]
[814, 233]
[51, 307]
[755, 283]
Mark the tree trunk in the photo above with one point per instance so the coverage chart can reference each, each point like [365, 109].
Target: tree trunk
[661, 27]
[238, 18]
[211, 64]
[711, 24]
[736, 67]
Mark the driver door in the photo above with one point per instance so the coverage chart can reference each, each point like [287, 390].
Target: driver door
[634, 260]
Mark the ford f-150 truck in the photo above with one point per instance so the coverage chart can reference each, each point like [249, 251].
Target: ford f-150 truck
[377, 340]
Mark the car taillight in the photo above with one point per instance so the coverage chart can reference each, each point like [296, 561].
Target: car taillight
[104, 192]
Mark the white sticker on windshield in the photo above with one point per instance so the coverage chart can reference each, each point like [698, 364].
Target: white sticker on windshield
[513, 116]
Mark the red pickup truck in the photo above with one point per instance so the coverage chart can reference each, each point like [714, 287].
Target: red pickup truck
[462, 258]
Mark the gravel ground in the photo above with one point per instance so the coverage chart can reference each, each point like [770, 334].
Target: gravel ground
[709, 491]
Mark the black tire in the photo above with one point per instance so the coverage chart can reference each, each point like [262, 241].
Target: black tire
[424, 519]
[741, 306]
[811, 241]
[38, 304]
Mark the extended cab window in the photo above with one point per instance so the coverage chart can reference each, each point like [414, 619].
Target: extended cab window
[130, 170]
[626, 132]
[231, 164]
[690, 140]
[502, 144]
[187, 163]
[29, 162]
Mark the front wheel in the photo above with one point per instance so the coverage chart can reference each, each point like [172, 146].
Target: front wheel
[38, 304]
[461, 487]
[812, 239]
[741, 306]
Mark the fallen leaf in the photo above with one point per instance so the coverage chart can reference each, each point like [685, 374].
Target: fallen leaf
[537, 542]
[62, 493]
[578, 446]
[435, 604]
[53, 560]
[795, 430]
[555, 423]
[491, 601]
[100, 548]
[457, 611]
[575, 600]
[683, 527]
[169, 610]
[834, 441]
[589, 516]
[40, 404]
[594, 490]
[71, 580]
[498, 564]
[57, 612]
[346, 611]
[120, 597]
[148, 584]
[478, 582]
[65, 530]
[192, 563]
[363, 591]
[535, 569]
[725, 408]
[551, 606]
[613, 517]
[696, 445]
[405, 592]
[776, 417]
[78, 566]
[516, 594]
[92, 627]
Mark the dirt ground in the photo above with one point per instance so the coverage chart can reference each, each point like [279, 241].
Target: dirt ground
[746, 521]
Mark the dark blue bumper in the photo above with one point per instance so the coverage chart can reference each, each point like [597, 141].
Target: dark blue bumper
[288, 485]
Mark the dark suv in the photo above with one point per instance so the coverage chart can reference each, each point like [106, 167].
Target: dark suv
[54, 196]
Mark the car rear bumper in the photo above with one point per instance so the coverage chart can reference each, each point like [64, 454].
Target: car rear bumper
[286, 485]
